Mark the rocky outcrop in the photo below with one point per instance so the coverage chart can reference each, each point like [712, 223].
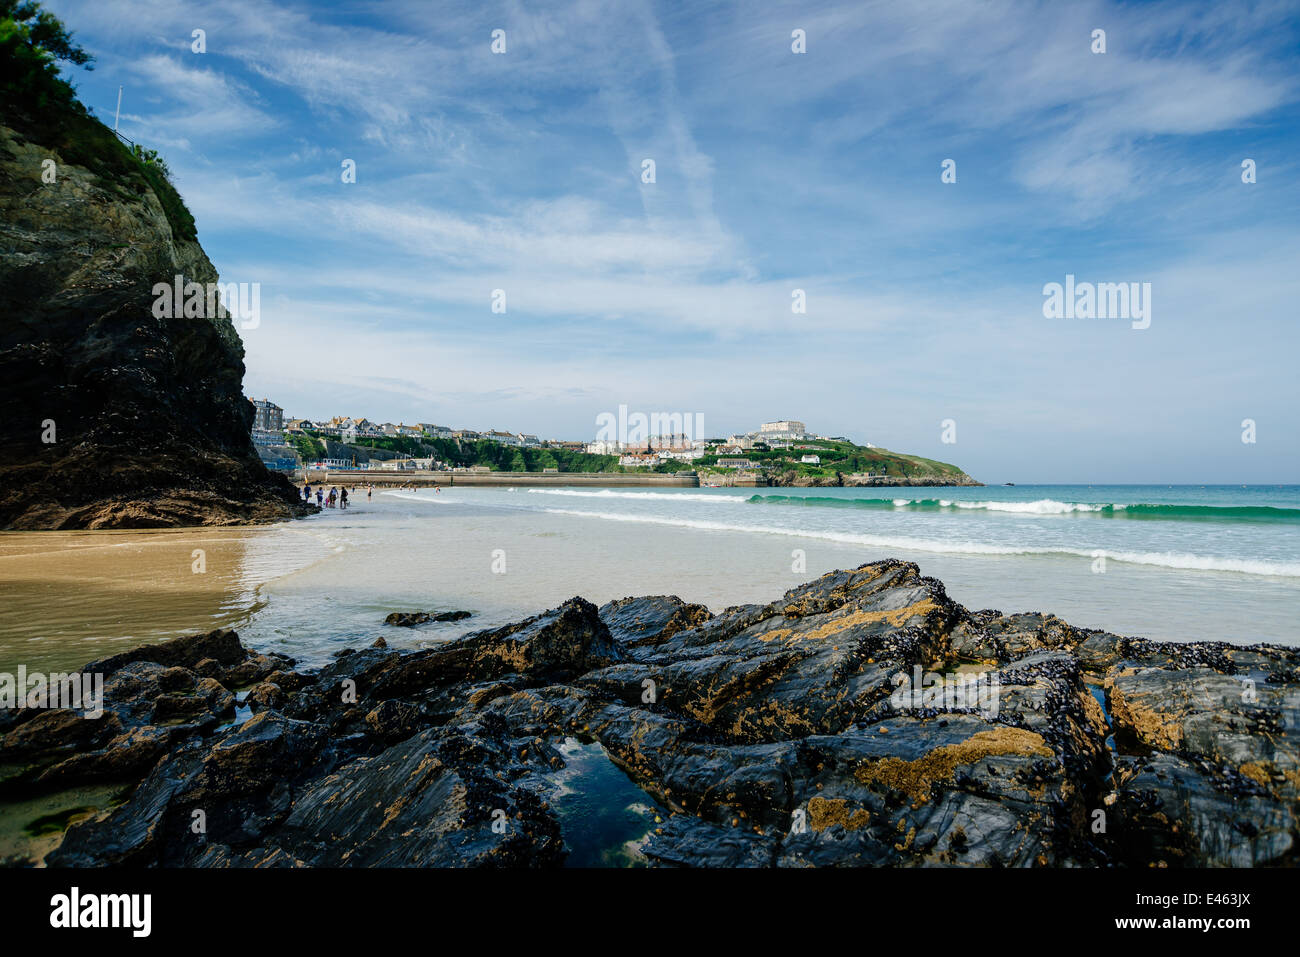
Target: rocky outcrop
[408, 619]
[863, 719]
[109, 416]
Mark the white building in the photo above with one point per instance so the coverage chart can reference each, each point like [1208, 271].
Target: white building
[811, 460]
[784, 429]
[681, 455]
[674, 440]
[402, 465]
[639, 460]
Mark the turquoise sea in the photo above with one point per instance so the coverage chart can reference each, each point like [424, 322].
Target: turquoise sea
[1177, 563]
[1167, 562]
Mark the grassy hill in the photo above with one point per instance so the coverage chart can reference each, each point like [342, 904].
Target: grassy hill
[843, 462]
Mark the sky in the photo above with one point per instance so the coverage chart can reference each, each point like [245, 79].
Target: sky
[774, 171]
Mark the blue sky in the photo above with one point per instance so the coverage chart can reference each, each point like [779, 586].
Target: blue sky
[819, 171]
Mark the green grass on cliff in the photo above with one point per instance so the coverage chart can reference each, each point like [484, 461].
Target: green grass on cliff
[845, 457]
[37, 102]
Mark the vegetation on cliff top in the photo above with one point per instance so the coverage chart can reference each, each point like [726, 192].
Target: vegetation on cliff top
[838, 457]
[485, 453]
[40, 104]
[845, 458]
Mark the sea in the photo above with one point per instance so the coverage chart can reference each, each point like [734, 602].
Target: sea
[1175, 563]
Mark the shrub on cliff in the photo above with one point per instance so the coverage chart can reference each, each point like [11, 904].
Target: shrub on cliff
[36, 100]
[32, 42]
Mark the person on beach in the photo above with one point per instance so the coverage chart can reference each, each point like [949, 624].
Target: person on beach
[320, 496]
[370, 491]
[306, 493]
[343, 499]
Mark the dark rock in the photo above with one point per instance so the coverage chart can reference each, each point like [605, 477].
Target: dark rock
[254, 669]
[152, 702]
[783, 734]
[127, 757]
[431, 801]
[639, 621]
[209, 668]
[407, 619]
[209, 697]
[153, 428]
[52, 732]
[395, 720]
[221, 646]
[241, 785]
[290, 681]
[264, 695]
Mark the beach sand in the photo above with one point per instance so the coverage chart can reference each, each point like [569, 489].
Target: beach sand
[126, 588]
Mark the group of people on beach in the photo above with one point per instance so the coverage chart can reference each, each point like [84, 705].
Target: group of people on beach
[335, 498]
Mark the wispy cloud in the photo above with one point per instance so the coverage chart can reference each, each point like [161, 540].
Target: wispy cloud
[774, 172]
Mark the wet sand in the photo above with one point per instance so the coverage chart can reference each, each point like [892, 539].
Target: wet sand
[71, 597]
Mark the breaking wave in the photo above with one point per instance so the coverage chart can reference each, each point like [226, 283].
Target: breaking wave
[1176, 560]
[1138, 511]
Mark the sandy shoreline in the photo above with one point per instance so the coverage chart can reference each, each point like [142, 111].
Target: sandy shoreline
[131, 587]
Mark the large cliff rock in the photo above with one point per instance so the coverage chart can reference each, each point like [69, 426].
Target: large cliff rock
[148, 419]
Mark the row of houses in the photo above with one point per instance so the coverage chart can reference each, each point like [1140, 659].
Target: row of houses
[270, 424]
[376, 465]
[349, 427]
[782, 434]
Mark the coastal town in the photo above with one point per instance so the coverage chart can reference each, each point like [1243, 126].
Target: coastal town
[779, 452]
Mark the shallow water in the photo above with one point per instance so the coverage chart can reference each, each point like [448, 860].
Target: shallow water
[31, 828]
[312, 587]
[605, 818]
